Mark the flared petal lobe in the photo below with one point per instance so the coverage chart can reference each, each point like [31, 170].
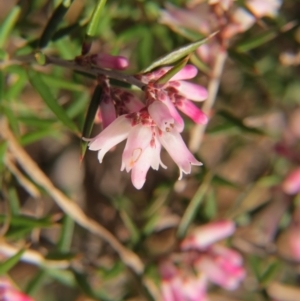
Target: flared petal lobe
[175, 146]
[116, 132]
[190, 90]
[189, 109]
[138, 139]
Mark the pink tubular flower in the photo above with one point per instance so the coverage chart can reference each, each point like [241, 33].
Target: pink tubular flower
[203, 236]
[9, 293]
[200, 260]
[149, 126]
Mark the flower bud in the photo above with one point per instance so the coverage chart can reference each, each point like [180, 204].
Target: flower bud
[202, 237]
[108, 61]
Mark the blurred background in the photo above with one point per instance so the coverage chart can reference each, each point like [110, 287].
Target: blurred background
[250, 152]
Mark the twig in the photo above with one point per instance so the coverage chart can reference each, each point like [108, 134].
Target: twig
[33, 257]
[213, 87]
[88, 69]
[66, 204]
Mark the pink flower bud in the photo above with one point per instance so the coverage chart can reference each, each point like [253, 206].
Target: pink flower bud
[291, 184]
[108, 61]
[202, 237]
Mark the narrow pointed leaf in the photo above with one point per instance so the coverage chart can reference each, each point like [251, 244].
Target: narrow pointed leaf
[84, 285]
[8, 24]
[53, 23]
[193, 206]
[66, 234]
[177, 54]
[166, 77]
[94, 22]
[246, 61]
[90, 117]
[41, 87]
[9, 263]
[239, 123]
[28, 222]
[35, 283]
[256, 41]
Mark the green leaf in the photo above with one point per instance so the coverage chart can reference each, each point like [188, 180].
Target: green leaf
[8, 24]
[239, 123]
[65, 31]
[61, 83]
[26, 221]
[83, 283]
[166, 77]
[131, 227]
[256, 41]
[37, 136]
[66, 235]
[210, 206]
[193, 206]
[90, 117]
[94, 22]
[11, 262]
[41, 87]
[244, 60]
[53, 23]
[269, 273]
[35, 283]
[12, 119]
[255, 265]
[2, 82]
[218, 180]
[14, 202]
[176, 55]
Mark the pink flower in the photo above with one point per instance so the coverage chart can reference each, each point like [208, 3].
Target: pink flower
[200, 260]
[152, 125]
[144, 140]
[9, 293]
[176, 286]
[203, 236]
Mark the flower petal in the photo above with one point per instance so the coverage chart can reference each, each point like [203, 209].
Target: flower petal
[160, 113]
[190, 90]
[179, 123]
[189, 109]
[138, 139]
[204, 236]
[108, 112]
[175, 146]
[116, 132]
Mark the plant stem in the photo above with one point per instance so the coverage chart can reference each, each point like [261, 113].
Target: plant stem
[213, 87]
[88, 69]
